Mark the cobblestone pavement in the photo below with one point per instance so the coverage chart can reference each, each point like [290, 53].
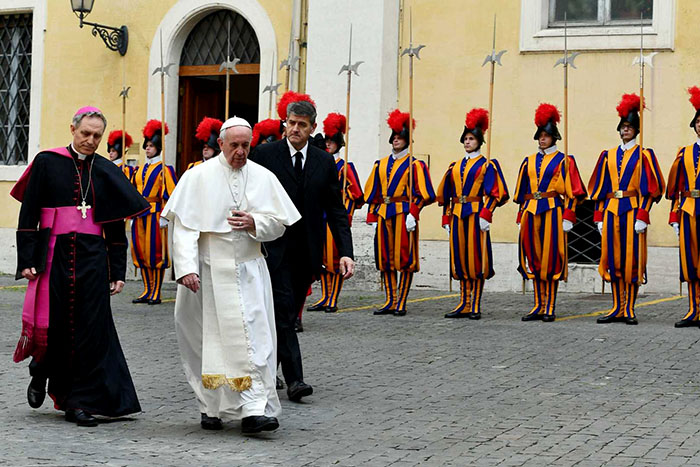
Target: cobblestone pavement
[417, 390]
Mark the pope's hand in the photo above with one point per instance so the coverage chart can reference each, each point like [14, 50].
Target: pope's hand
[676, 228]
[640, 226]
[191, 281]
[241, 220]
[346, 267]
[410, 223]
[447, 228]
[567, 225]
[484, 225]
[599, 225]
[29, 274]
[115, 287]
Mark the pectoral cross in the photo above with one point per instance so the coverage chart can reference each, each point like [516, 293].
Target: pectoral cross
[83, 209]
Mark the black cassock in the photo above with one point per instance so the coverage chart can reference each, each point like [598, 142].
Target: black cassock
[84, 361]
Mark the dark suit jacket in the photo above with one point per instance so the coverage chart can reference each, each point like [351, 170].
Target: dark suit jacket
[322, 194]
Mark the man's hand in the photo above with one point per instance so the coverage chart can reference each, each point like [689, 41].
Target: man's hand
[410, 223]
[567, 225]
[599, 225]
[640, 226]
[191, 281]
[347, 267]
[115, 287]
[241, 220]
[676, 228]
[484, 225]
[162, 222]
[30, 274]
[447, 228]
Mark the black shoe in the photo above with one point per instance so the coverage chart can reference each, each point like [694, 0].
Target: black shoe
[549, 318]
[154, 302]
[399, 312]
[36, 393]
[317, 307]
[258, 423]
[140, 300]
[607, 319]
[475, 315]
[384, 311]
[299, 389]
[631, 321]
[331, 309]
[211, 423]
[456, 314]
[298, 327]
[684, 323]
[279, 384]
[532, 317]
[80, 417]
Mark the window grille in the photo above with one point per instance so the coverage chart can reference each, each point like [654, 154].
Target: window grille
[15, 87]
[584, 239]
[206, 44]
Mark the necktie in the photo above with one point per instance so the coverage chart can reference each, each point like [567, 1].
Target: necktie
[297, 164]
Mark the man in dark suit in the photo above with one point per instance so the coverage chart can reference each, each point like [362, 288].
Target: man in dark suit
[309, 176]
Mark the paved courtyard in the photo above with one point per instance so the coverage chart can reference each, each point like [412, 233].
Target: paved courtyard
[417, 390]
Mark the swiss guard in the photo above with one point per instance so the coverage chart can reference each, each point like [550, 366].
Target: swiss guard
[149, 233]
[624, 187]
[684, 191]
[267, 131]
[331, 279]
[471, 189]
[117, 152]
[547, 211]
[208, 134]
[394, 211]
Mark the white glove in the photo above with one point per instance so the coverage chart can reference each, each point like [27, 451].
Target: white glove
[676, 228]
[447, 228]
[600, 227]
[410, 223]
[567, 225]
[640, 226]
[372, 224]
[163, 222]
[484, 225]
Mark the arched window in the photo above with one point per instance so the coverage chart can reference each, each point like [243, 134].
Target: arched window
[206, 44]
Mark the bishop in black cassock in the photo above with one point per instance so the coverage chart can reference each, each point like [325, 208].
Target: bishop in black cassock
[71, 245]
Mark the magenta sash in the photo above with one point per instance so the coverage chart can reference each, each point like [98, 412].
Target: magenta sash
[35, 311]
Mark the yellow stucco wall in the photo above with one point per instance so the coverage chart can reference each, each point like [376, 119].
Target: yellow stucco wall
[449, 80]
[79, 70]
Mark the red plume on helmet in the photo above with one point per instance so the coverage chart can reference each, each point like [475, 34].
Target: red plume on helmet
[546, 113]
[629, 103]
[477, 118]
[399, 120]
[266, 129]
[206, 127]
[152, 126]
[116, 137]
[694, 97]
[289, 97]
[333, 124]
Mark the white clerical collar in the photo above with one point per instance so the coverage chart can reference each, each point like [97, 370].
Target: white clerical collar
[153, 160]
[303, 150]
[117, 161]
[81, 156]
[698, 142]
[400, 154]
[473, 154]
[549, 150]
[629, 145]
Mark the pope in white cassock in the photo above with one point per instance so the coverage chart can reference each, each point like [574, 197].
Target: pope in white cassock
[221, 211]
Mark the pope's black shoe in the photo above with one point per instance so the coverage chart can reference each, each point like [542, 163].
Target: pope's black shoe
[154, 302]
[549, 318]
[140, 300]
[211, 423]
[384, 311]
[686, 323]
[298, 327]
[532, 317]
[474, 315]
[399, 312]
[457, 315]
[299, 389]
[36, 392]
[317, 307]
[258, 423]
[331, 309]
[279, 384]
[80, 417]
[607, 319]
[631, 321]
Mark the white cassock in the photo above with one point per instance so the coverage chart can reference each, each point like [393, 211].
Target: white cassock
[226, 331]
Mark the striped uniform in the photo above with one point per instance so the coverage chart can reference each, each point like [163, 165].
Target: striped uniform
[126, 169]
[146, 236]
[461, 193]
[331, 279]
[193, 164]
[620, 200]
[683, 191]
[396, 249]
[545, 200]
